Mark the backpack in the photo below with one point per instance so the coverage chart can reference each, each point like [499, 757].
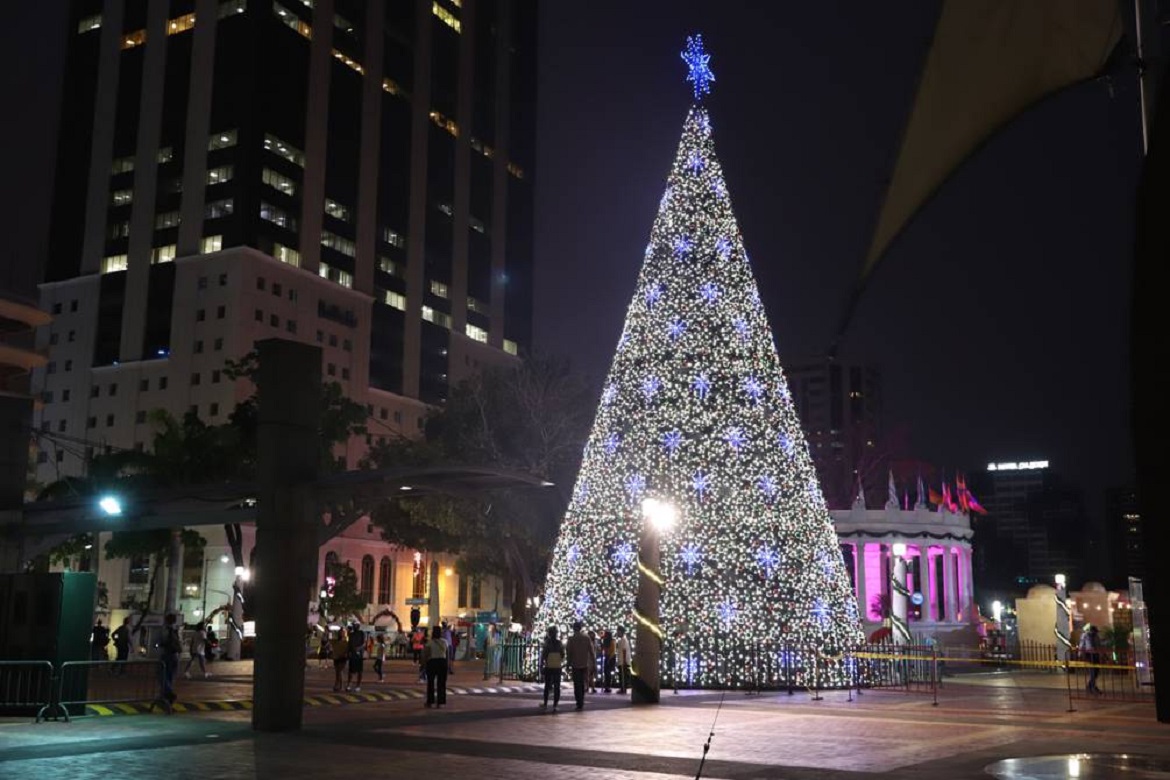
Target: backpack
[357, 644]
[555, 657]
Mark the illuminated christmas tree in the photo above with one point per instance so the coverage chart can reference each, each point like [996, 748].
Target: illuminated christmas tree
[696, 412]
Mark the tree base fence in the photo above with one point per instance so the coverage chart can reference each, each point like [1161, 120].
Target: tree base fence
[54, 693]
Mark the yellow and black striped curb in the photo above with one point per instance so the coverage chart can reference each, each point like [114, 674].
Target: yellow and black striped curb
[318, 700]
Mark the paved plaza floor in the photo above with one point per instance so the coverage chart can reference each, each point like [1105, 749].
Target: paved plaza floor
[979, 721]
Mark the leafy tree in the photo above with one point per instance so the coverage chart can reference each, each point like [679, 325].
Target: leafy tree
[346, 599]
[532, 420]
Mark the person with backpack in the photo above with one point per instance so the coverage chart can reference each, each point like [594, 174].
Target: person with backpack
[608, 659]
[552, 660]
[170, 648]
[581, 655]
[122, 644]
[357, 651]
[435, 663]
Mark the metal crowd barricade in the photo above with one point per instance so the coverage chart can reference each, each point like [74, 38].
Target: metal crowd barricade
[81, 683]
[1091, 680]
[520, 660]
[26, 687]
[908, 668]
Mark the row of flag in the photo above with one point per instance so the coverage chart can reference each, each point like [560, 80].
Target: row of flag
[960, 500]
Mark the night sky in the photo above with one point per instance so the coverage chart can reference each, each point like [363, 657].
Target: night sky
[999, 320]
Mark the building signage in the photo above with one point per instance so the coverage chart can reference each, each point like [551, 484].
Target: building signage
[1023, 465]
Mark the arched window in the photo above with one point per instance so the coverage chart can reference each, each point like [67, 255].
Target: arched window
[385, 580]
[367, 586]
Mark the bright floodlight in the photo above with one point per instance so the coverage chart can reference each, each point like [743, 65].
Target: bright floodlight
[243, 573]
[899, 549]
[110, 505]
[996, 610]
[1060, 580]
[223, 559]
[661, 514]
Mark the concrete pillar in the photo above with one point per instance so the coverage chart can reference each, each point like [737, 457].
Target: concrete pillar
[647, 682]
[289, 452]
[899, 595]
[859, 561]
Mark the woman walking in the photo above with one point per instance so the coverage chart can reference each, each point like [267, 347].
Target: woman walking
[552, 659]
[197, 647]
[435, 662]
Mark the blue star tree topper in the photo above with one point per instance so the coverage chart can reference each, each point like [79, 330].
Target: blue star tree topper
[696, 396]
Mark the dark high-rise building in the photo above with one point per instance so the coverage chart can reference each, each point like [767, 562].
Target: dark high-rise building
[1035, 528]
[840, 407]
[351, 174]
[1124, 530]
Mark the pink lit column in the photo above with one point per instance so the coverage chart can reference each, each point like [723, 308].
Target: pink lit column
[948, 599]
[924, 583]
[859, 578]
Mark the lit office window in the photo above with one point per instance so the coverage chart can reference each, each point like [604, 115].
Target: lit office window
[278, 181]
[337, 210]
[440, 289]
[132, 39]
[277, 216]
[122, 165]
[286, 255]
[180, 24]
[118, 230]
[221, 140]
[338, 243]
[285, 150]
[393, 238]
[211, 244]
[445, 16]
[165, 154]
[349, 62]
[388, 266]
[439, 318]
[218, 208]
[220, 175]
[345, 278]
[114, 263]
[292, 21]
[393, 87]
[229, 7]
[168, 219]
[445, 122]
[477, 306]
[121, 197]
[89, 23]
[163, 254]
[477, 333]
[510, 347]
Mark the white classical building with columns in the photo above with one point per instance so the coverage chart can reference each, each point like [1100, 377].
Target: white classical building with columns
[938, 555]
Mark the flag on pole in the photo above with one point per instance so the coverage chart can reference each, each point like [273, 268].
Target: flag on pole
[892, 494]
[921, 492]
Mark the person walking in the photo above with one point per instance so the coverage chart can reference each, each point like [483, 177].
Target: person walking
[622, 657]
[357, 652]
[1090, 647]
[99, 642]
[122, 643]
[196, 648]
[608, 659]
[435, 662]
[170, 648]
[552, 659]
[449, 639]
[595, 672]
[582, 659]
[210, 642]
[340, 656]
[379, 656]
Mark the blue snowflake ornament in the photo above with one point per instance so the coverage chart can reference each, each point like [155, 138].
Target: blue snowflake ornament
[581, 605]
[723, 248]
[702, 386]
[672, 441]
[768, 486]
[727, 613]
[709, 292]
[611, 443]
[698, 66]
[635, 484]
[754, 388]
[741, 327]
[768, 559]
[675, 329]
[681, 245]
[701, 483]
[653, 295]
[735, 438]
[608, 394]
[624, 554]
[650, 387]
[820, 611]
[691, 557]
[695, 161]
[573, 555]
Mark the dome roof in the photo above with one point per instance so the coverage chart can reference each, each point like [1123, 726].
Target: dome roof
[1093, 587]
[1041, 591]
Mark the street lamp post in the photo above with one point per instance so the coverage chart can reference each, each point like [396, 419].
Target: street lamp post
[1063, 620]
[899, 596]
[658, 518]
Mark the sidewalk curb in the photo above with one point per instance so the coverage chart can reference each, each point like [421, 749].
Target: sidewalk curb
[317, 700]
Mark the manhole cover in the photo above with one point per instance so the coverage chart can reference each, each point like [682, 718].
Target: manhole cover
[1086, 766]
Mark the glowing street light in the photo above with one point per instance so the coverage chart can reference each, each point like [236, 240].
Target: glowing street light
[110, 505]
[996, 610]
[660, 514]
